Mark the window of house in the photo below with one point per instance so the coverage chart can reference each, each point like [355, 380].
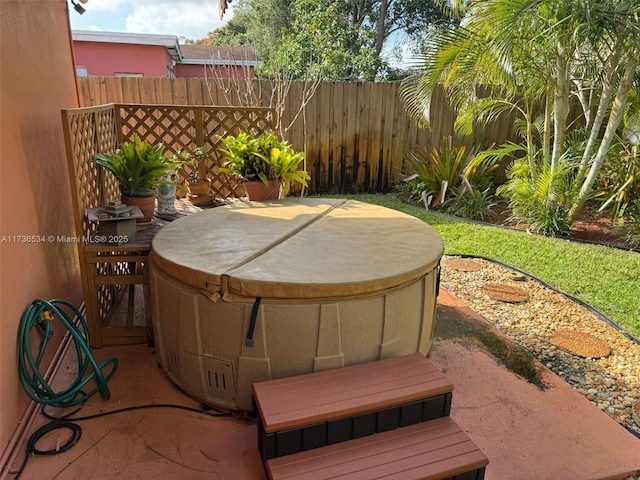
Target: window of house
[81, 71]
[128, 74]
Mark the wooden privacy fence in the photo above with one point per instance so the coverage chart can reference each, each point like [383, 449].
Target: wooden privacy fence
[356, 135]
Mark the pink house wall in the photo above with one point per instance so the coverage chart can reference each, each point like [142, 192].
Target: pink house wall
[106, 59]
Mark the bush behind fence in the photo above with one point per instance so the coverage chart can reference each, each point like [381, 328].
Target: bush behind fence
[356, 135]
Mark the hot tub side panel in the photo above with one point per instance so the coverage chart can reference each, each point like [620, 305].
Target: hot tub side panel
[203, 349]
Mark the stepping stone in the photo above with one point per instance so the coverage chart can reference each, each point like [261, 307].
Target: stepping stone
[505, 293]
[463, 264]
[580, 343]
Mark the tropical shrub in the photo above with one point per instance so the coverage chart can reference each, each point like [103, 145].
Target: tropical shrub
[619, 181]
[543, 202]
[447, 172]
[473, 204]
[630, 229]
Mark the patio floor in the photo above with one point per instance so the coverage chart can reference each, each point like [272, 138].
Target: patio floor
[527, 433]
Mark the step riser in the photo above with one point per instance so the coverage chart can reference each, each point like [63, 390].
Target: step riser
[437, 449]
[286, 442]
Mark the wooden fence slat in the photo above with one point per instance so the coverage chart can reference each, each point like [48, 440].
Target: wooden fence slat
[148, 93]
[324, 134]
[364, 100]
[179, 91]
[336, 136]
[349, 146]
[376, 115]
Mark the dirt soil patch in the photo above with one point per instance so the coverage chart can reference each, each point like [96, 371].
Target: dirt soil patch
[590, 226]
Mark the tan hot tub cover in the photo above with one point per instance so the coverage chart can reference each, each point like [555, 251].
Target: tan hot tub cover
[311, 248]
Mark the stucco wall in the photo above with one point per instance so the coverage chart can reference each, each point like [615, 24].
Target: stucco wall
[36, 81]
[107, 59]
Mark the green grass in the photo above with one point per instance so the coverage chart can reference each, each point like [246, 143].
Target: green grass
[608, 279]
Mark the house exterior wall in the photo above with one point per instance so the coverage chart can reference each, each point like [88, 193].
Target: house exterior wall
[108, 59]
[35, 198]
[185, 70]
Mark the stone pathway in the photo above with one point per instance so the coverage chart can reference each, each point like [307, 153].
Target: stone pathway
[612, 383]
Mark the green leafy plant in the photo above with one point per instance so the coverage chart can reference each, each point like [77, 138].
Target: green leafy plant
[193, 160]
[263, 158]
[619, 180]
[630, 229]
[542, 203]
[472, 204]
[445, 171]
[139, 167]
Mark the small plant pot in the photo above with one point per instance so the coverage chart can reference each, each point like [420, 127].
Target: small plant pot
[199, 191]
[146, 204]
[199, 188]
[258, 191]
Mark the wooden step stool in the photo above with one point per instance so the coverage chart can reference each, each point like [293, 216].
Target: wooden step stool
[310, 411]
[433, 450]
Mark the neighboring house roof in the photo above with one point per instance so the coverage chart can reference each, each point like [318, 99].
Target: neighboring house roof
[219, 55]
[186, 54]
[168, 41]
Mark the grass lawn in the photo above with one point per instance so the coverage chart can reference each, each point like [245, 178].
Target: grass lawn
[608, 279]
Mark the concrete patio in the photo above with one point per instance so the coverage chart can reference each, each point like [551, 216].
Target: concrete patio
[527, 433]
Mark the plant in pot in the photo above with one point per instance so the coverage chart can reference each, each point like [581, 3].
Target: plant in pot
[266, 165]
[197, 181]
[140, 169]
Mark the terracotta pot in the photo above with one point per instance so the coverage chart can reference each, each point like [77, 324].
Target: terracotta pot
[201, 187]
[258, 191]
[146, 204]
[199, 191]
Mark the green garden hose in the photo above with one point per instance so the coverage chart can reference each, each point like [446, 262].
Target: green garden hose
[39, 314]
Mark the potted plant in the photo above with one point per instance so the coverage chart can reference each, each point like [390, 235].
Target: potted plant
[140, 169]
[266, 165]
[198, 183]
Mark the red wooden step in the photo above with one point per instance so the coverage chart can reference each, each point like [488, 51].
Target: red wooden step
[433, 450]
[309, 411]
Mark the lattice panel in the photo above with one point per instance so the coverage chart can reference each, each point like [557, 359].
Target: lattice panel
[173, 126]
[90, 131]
[188, 127]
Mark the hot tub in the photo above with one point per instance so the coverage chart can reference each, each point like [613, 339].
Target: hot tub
[257, 291]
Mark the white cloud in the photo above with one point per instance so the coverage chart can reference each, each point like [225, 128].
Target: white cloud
[193, 20]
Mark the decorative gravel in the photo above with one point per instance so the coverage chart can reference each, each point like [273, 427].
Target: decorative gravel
[612, 383]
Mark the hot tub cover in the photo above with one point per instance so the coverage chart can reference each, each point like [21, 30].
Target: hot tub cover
[309, 248]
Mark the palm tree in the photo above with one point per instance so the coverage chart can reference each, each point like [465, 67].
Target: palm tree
[533, 57]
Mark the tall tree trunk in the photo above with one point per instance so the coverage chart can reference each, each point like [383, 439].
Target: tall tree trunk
[381, 25]
[561, 107]
[546, 132]
[615, 117]
[605, 99]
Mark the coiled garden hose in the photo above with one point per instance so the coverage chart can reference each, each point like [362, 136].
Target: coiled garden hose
[40, 315]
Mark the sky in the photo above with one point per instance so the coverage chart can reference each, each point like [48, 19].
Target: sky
[192, 19]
